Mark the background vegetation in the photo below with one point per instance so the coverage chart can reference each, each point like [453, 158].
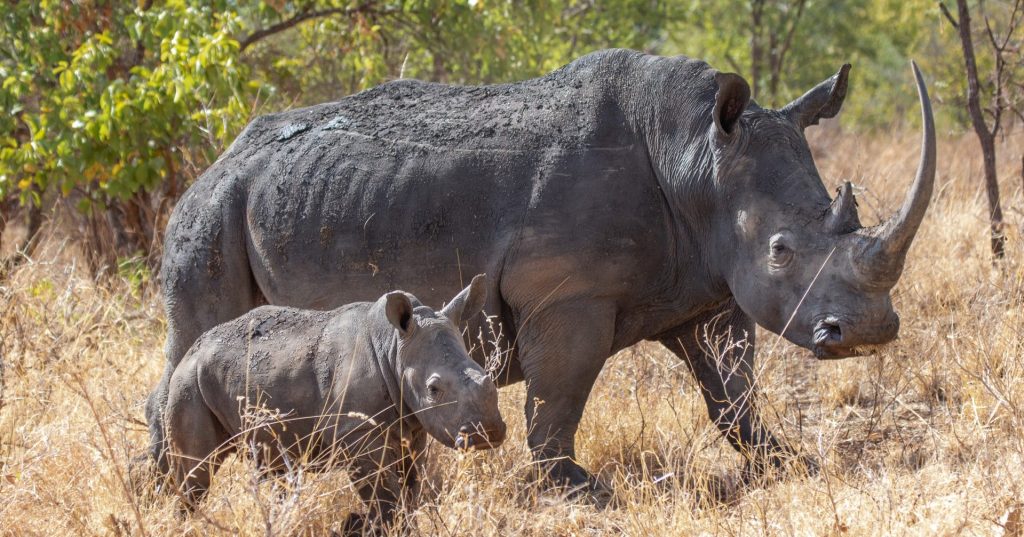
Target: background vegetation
[112, 107]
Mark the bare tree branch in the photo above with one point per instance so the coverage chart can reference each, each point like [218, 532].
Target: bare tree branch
[733, 63]
[949, 16]
[991, 36]
[780, 57]
[304, 15]
[756, 47]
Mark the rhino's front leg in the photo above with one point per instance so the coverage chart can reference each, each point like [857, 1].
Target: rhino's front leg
[719, 349]
[386, 474]
[379, 486]
[562, 350]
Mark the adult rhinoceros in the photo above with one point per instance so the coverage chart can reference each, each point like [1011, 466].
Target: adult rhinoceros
[622, 198]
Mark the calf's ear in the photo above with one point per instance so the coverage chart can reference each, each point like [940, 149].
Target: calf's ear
[469, 302]
[399, 312]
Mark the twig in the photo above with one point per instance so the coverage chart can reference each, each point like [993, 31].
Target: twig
[800, 303]
[302, 16]
[949, 16]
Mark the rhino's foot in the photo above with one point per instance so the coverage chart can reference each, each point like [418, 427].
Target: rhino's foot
[144, 478]
[363, 526]
[779, 465]
[810, 465]
[355, 524]
[573, 483]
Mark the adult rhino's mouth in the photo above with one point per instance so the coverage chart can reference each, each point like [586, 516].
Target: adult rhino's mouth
[830, 340]
[835, 353]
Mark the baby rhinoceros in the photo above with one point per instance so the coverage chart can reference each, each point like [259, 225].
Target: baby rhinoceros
[361, 385]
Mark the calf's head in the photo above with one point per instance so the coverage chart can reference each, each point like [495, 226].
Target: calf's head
[453, 398]
[800, 263]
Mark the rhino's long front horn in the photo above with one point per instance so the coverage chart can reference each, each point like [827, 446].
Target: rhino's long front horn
[885, 246]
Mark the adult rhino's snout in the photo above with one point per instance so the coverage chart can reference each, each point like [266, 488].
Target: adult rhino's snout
[836, 338]
[479, 436]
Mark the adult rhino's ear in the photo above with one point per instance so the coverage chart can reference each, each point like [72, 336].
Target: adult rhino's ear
[730, 101]
[399, 312]
[469, 302]
[824, 101]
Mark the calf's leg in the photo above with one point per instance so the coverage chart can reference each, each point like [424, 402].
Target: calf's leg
[197, 439]
[380, 482]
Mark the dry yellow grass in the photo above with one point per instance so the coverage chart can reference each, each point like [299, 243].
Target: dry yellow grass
[923, 439]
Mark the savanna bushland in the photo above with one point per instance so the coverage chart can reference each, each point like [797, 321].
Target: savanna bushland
[111, 109]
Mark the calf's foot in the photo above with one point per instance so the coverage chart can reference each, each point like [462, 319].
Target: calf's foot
[355, 524]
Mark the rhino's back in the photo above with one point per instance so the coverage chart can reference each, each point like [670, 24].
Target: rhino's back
[415, 184]
[559, 108]
[283, 359]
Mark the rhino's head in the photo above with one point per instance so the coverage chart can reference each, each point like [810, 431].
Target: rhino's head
[452, 397]
[800, 263]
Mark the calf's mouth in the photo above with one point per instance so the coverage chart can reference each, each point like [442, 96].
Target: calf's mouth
[478, 437]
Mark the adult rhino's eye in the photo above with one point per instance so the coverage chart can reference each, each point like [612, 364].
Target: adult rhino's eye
[781, 254]
[434, 391]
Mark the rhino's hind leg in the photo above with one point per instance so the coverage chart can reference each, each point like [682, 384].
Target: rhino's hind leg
[562, 350]
[206, 280]
[719, 349]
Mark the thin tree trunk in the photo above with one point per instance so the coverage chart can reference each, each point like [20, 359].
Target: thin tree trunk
[985, 137]
[440, 71]
[779, 49]
[94, 251]
[5, 214]
[33, 223]
[120, 241]
[756, 47]
[998, 239]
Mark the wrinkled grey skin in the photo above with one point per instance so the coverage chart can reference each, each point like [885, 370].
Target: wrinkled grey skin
[622, 198]
[361, 385]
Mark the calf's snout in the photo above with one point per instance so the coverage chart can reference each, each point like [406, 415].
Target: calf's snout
[481, 436]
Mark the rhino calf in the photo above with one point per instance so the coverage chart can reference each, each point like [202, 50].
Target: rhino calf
[358, 386]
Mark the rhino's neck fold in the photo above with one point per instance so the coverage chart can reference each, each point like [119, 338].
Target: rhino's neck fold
[670, 109]
[383, 347]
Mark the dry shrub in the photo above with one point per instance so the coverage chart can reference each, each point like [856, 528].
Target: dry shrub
[923, 438]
